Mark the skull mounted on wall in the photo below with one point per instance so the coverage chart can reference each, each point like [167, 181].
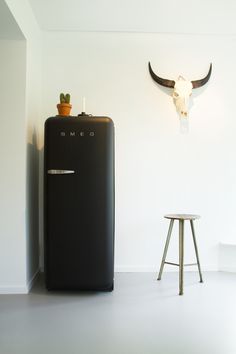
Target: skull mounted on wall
[182, 89]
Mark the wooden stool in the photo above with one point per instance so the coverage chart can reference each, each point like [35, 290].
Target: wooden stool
[181, 218]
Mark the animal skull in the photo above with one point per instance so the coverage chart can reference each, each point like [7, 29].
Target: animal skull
[182, 89]
[182, 92]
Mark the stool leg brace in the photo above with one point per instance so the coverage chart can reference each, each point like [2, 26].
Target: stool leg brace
[181, 253]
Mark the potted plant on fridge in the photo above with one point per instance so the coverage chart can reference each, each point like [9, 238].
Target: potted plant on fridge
[64, 107]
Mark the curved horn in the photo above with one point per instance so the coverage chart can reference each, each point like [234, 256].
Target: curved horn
[159, 80]
[201, 82]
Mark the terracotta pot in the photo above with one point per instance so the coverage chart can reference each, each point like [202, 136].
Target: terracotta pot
[64, 109]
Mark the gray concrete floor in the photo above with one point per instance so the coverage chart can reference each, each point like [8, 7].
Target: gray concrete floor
[141, 316]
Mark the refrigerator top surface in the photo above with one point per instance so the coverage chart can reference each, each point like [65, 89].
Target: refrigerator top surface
[83, 119]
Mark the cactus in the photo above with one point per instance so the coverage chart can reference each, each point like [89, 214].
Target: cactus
[64, 98]
[67, 98]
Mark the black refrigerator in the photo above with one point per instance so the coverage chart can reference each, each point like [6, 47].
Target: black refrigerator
[79, 203]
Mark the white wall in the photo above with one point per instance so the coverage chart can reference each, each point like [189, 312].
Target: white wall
[158, 170]
[13, 166]
[20, 153]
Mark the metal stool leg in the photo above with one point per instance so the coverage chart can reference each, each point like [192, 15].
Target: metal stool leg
[165, 249]
[196, 250]
[181, 256]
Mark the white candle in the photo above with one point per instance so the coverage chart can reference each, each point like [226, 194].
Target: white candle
[83, 110]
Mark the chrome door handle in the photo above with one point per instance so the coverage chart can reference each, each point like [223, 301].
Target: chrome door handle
[60, 172]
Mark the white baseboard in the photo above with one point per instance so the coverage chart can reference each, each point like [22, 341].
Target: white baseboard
[13, 290]
[135, 269]
[227, 269]
[167, 268]
[118, 269]
[20, 289]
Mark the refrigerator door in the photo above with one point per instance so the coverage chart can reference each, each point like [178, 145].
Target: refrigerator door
[79, 203]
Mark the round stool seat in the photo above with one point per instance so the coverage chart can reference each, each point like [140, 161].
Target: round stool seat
[182, 216]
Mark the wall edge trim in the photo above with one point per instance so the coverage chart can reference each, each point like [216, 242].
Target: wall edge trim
[20, 289]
